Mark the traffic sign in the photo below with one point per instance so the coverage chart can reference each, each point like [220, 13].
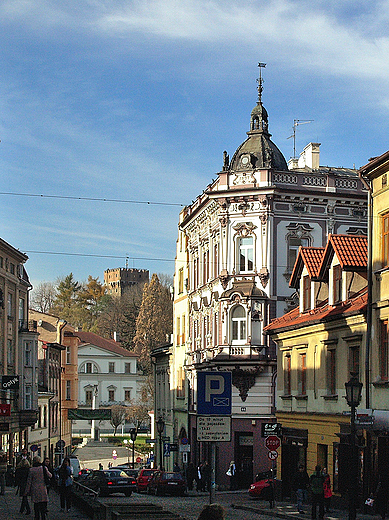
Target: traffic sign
[272, 442]
[214, 391]
[138, 459]
[60, 444]
[114, 454]
[184, 440]
[272, 455]
[34, 448]
[216, 429]
[166, 449]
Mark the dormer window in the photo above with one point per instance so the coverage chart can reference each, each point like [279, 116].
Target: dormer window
[306, 293]
[337, 283]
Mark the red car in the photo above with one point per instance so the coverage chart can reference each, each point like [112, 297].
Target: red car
[263, 489]
[143, 479]
[167, 483]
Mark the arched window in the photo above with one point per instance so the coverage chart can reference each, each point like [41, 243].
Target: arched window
[238, 324]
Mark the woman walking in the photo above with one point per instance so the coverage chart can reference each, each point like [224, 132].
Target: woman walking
[327, 491]
[21, 476]
[36, 487]
[65, 483]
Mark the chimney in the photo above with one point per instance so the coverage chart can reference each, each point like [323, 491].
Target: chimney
[116, 336]
[310, 157]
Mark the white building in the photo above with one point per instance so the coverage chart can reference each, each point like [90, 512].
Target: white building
[107, 374]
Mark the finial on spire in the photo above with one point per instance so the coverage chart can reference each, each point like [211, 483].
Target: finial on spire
[260, 81]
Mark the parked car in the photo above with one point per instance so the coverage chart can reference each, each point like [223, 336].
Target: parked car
[130, 472]
[144, 477]
[109, 481]
[263, 489]
[75, 465]
[82, 475]
[166, 482]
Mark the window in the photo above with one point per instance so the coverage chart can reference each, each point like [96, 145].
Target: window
[127, 395]
[44, 416]
[127, 368]
[337, 279]
[68, 390]
[181, 280]
[287, 375]
[385, 240]
[294, 244]
[383, 351]
[180, 382]
[195, 273]
[88, 397]
[302, 375]
[27, 353]
[10, 352]
[306, 293]
[111, 367]
[206, 266]
[216, 260]
[111, 395]
[10, 305]
[178, 337]
[238, 319]
[331, 371]
[354, 360]
[68, 355]
[183, 329]
[28, 398]
[21, 309]
[246, 254]
[12, 268]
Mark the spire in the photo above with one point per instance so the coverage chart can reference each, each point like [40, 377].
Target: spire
[259, 118]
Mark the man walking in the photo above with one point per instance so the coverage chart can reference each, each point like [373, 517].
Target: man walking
[316, 482]
[301, 483]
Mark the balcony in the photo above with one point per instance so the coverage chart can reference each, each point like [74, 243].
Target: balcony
[28, 326]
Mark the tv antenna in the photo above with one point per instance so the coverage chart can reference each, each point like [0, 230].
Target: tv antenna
[296, 123]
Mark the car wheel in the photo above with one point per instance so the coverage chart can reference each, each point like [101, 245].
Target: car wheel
[128, 493]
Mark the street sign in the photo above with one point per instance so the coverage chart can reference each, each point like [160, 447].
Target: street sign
[10, 382]
[271, 429]
[213, 429]
[151, 441]
[214, 391]
[166, 449]
[114, 454]
[34, 447]
[272, 442]
[88, 414]
[138, 459]
[184, 448]
[5, 410]
[60, 444]
[173, 446]
[272, 455]
[184, 440]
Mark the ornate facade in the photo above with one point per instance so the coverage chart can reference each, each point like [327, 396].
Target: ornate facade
[241, 237]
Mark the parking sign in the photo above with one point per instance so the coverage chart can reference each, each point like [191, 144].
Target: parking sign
[214, 391]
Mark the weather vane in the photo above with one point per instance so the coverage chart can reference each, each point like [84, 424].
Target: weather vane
[260, 81]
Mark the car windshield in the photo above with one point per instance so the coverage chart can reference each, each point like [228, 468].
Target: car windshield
[147, 473]
[117, 473]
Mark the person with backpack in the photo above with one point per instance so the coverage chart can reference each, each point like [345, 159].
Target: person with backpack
[65, 483]
[316, 484]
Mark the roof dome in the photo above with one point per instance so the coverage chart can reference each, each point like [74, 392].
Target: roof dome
[258, 150]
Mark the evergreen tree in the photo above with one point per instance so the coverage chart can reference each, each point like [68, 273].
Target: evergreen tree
[155, 321]
[66, 304]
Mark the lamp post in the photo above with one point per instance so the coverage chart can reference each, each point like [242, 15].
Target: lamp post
[133, 434]
[128, 450]
[353, 398]
[160, 429]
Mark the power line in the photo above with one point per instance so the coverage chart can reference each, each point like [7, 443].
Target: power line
[92, 199]
[99, 256]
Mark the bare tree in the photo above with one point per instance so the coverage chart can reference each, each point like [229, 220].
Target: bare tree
[43, 296]
[118, 415]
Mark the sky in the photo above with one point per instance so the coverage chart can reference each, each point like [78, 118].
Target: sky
[134, 102]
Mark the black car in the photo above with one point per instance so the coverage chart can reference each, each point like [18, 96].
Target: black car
[110, 481]
[130, 472]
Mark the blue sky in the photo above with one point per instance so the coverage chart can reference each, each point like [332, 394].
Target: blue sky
[136, 100]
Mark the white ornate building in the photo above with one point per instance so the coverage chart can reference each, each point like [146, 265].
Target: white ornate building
[236, 248]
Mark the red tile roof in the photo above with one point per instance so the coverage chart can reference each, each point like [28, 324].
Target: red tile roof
[294, 319]
[351, 251]
[106, 344]
[311, 258]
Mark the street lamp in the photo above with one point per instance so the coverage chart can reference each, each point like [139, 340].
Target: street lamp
[160, 429]
[133, 434]
[353, 398]
[128, 451]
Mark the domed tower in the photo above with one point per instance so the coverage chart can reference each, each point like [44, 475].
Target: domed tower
[258, 150]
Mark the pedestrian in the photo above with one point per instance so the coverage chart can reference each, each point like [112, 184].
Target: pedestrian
[199, 479]
[101, 466]
[109, 465]
[22, 456]
[231, 472]
[316, 483]
[176, 467]
[65, 483]
[47, 465]
[327, 491]
[21, 477]
[206, 476]
[212, 512]
[301, 483]
[381, 496]
[190, 475]
[3, 471]
[36, 487]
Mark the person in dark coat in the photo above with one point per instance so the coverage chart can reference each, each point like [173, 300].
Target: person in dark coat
[316, 483]
[199, 479]
[381, 496]
[206, 476]
[65, 483]
[21, 476]
[190, 475]
[300, 484]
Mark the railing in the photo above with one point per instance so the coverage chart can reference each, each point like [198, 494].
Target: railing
[85, 490]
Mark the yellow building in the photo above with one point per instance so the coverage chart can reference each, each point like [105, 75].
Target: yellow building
[319, 344]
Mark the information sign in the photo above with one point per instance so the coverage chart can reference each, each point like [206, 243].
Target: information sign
[214, 390]
[212, 428]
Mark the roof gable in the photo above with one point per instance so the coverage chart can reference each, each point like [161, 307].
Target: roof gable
[351, 251]
[311, 258]
[105, 344]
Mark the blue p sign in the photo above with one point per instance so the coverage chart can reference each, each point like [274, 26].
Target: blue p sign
[214, 393]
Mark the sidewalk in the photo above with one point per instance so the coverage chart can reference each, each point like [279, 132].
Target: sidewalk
[10, 507]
